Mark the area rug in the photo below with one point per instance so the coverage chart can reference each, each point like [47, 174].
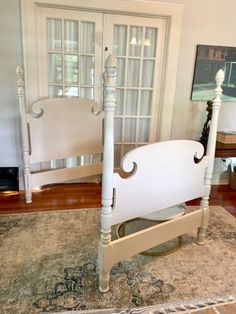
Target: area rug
[205, 306]
[49, 264]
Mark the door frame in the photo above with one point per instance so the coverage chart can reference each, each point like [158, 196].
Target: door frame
[171, 12]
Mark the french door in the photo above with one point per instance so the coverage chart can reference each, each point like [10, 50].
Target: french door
[72, 47]
[138, 46]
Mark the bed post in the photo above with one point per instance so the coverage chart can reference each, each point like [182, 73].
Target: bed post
[24, 134]
[210, 152]
[108, 168]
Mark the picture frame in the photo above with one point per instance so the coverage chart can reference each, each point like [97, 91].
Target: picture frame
[209, 59]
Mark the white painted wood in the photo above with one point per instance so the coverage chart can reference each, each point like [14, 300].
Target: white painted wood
[108, 160]
[210, 153]
[172, 164]
[24, 134]
[65, 174]
[161, 175]
[67, 127]
[58, 128]
[140, 241]
[214, 123]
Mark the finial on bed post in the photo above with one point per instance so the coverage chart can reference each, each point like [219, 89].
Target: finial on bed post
[210, 152]
[108, 167]
[24, 133]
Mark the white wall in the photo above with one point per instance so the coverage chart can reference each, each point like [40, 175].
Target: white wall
[10, 57]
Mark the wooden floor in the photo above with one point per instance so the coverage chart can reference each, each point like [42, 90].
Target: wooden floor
[88, 195]
[221, 195]
[53, 197]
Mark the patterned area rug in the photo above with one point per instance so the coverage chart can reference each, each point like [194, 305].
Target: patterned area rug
[49, 264]
[205, 306]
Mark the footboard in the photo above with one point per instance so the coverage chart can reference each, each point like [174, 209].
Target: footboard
[159, 175]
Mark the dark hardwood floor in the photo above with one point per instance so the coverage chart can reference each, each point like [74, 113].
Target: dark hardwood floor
[53, 197]
[221, 195]
[88, 195]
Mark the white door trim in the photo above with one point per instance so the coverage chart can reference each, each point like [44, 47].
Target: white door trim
[171, 12]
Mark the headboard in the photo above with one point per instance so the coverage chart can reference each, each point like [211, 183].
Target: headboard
[56, 129]
[64, 127]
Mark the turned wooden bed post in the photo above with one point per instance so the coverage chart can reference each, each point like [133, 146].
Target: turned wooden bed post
[24, 134]
[108, 166]
[210, 152]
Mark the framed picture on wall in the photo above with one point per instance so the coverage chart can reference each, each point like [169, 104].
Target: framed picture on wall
[209, 59]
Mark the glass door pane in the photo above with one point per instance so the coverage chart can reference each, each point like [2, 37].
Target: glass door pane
[54, 34]
[71, 36]
[72, 52]
[72, 68]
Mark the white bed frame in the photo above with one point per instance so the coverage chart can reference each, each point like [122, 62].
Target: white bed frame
[54, 129]
[162, 175]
